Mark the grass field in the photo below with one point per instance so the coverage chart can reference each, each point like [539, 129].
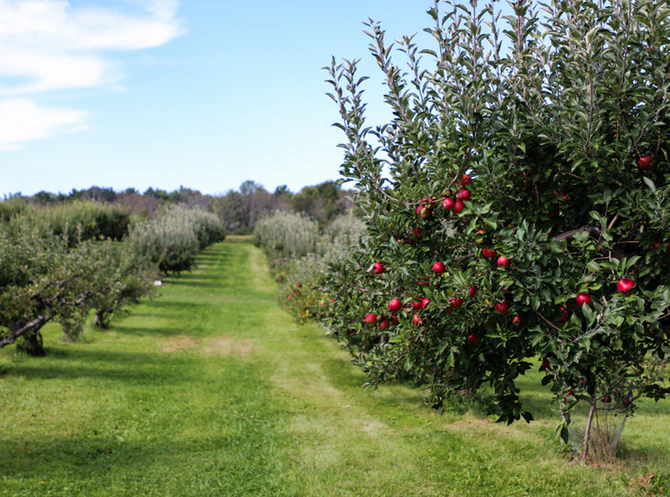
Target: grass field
[211, 390]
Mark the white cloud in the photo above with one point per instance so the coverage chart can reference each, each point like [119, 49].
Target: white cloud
[22, 120]
[48, 45]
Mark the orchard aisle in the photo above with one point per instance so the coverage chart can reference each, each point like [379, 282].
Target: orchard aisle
[212, 390]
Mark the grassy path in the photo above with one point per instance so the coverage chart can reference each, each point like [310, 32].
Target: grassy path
[211, 390]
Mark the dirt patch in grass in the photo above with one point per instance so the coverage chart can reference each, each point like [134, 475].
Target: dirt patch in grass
[227, 346]
[178, 343]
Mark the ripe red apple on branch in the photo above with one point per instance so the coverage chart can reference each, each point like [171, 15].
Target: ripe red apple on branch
[625, 285]
[370, 319]
[417, 321]
[489, 253]
[439, 267]
[458, 207]
[502, 307]
[645, 161]
[464, 194]
[503, 261]
[455, 302]
[395, 305]
[378, 268]
[448, 203]
[583, 298]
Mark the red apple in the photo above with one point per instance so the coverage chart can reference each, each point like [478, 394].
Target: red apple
[448, 203]
[583, 298]
[607, 399]
[545, 365]
[456, 302]
[418, 232]
[627, 402]
[464, 194]
[502, 307]
[425, 302]
[439, 267]
[378, 267]
[474, 339]
[465, 180]
[416, 305]
[488, 253]
[583, 382]
[458, 206]
[370, 318]
[384, 325]
[472, 291]
[417, 321]
[564, 317]
[516, 320]
[503, 261]
[395, 305]
[394, 320]
[645, 161]
[625, 285]
[424, 211]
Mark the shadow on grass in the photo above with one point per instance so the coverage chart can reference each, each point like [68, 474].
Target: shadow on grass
[139, 331]
[85, 459]
[108, 365]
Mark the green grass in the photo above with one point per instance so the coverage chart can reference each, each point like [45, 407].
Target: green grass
[211, 390]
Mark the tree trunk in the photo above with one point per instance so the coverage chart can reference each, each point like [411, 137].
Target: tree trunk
[587, 430]
[99, 319]
[28, 336]
[32, 344]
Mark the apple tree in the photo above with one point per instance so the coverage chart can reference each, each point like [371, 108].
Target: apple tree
[516, 206]
[43, 280]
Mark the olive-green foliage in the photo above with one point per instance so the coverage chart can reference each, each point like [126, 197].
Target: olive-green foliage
[300, 276]
[75, 221]
[284, 234]
[12, 208]
[173, 239]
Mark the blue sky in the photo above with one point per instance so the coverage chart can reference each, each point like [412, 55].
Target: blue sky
[161, 93]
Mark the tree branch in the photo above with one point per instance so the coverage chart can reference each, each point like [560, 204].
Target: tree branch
[570, 235]
[14, 335]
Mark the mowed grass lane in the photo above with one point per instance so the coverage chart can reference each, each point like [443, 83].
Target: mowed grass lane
[211, 389]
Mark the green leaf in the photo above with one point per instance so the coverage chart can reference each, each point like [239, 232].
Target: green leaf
[650, 184]
[588, 314]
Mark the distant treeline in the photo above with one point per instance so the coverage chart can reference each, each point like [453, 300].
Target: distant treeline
[238, 209]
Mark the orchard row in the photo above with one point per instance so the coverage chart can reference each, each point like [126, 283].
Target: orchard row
[60, 271]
